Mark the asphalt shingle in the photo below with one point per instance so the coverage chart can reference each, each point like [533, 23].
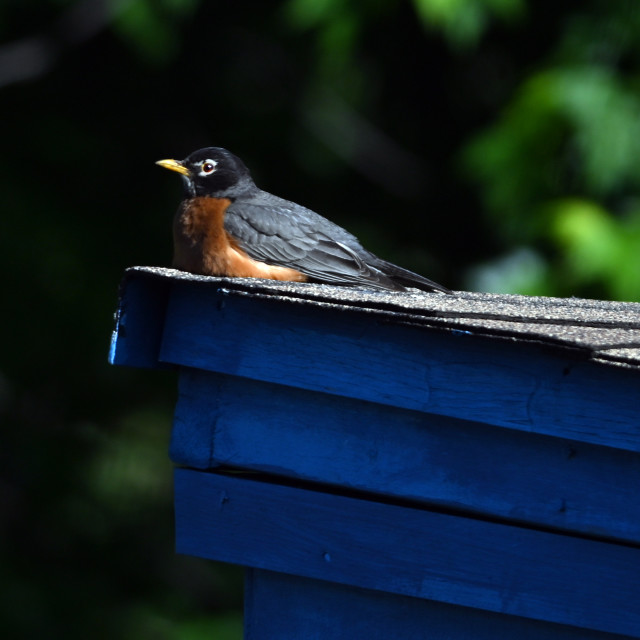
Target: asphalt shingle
[602, 331]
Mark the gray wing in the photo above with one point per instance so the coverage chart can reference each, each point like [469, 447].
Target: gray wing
[283, 233]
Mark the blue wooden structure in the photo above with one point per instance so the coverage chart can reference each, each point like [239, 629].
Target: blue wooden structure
[402, 465]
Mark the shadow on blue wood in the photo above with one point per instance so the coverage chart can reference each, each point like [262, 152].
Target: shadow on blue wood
[285, 607]
[412, 552]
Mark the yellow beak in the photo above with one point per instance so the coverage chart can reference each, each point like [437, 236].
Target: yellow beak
[174, 165]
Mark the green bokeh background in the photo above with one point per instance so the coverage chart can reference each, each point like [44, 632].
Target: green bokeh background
[492, 145]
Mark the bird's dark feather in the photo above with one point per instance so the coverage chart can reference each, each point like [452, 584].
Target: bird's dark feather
[280, 232]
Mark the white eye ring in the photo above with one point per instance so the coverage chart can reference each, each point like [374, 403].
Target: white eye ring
[208, 167]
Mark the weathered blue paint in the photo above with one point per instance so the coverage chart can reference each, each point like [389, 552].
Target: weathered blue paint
[307, 608]
[400, 454]
[511, 385]
[406, 551]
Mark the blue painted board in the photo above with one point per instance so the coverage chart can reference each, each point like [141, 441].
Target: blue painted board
[294, 433]
[137, 335]
[412, 552]
[286, 607]
[354, 355]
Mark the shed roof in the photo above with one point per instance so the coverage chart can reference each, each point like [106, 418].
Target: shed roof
[601, 331]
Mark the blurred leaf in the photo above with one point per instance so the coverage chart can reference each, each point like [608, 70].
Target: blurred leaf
[566, 129]
[336, 28]
[180, 7]
[463, 22]
[602, 33]
[587, 234]
[306, 14]
[151, 26]
[522, 271]
[132, 466]
[516, 162]
[605, 120]
[598, 247]
[568, 142]
[339, 36]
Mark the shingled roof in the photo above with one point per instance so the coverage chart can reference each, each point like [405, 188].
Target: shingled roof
[601, 331]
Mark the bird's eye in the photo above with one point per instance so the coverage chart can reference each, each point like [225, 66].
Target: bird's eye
[208, 167]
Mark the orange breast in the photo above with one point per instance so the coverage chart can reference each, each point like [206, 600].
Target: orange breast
[201, 245]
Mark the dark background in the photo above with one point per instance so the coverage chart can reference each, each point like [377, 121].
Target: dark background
[489, 144]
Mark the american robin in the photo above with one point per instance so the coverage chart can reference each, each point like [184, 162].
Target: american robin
[227, 226]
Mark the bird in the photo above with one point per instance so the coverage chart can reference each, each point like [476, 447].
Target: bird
[226, 226]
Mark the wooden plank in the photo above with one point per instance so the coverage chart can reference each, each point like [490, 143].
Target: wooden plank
[408, 455]
[353, 355]
[483, 565]
[136, 338]
[290, 608]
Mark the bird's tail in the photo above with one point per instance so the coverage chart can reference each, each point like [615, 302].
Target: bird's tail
[407, 278]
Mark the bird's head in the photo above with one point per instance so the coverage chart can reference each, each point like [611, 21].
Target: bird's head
[213, 172]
